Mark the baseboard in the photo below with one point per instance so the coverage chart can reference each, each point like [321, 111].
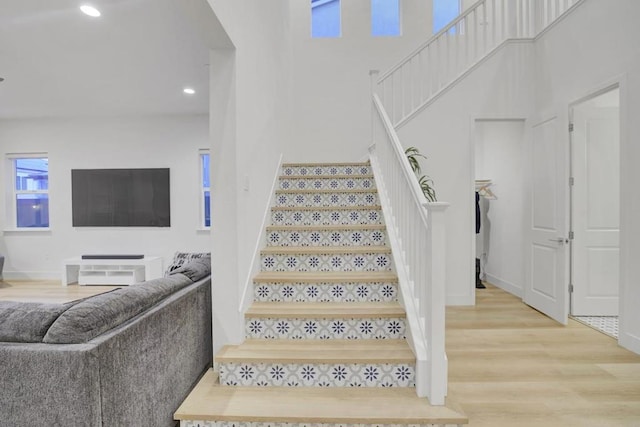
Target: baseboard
[32, 275]
[504, 285]
[629, 341]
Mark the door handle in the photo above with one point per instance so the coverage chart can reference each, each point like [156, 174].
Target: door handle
[560, 240]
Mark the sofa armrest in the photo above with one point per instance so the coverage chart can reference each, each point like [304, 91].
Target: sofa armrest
[47, 385]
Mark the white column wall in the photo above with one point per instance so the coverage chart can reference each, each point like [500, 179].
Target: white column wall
[574, 61]
[331, 118]
[150, 142]
[250, 119]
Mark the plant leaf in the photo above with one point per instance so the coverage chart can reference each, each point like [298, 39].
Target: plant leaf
[426, 184]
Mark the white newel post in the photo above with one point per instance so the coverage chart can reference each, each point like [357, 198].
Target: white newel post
[435, 321]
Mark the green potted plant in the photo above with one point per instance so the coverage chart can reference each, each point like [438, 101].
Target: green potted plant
[426, 183]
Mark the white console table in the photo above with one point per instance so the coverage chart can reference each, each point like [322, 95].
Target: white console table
[110, 271]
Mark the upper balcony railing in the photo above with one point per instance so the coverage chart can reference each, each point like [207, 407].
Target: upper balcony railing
[448, 55]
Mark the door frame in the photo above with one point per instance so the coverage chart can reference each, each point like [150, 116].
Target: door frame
[473, 119]
[572, 105]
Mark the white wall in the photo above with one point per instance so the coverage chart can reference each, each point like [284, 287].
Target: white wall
[500, 88]
[331, 88]
[499, 157]
[150, 142]
[568, 62]
[250, 120]
[574, 61]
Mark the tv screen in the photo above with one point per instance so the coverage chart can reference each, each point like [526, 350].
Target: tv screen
[120, 197]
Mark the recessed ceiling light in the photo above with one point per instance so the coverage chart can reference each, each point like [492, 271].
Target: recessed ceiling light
[90, 10]
[189, 91]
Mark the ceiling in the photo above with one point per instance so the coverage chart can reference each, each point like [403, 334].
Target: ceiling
[133, 60]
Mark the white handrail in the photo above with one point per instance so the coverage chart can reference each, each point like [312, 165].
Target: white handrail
[417, 236]
[465, 41]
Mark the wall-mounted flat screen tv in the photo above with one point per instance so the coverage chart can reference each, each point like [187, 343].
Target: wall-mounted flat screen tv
[120, 197]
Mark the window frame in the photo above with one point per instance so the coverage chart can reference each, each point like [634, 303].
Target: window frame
[13, 193]
[202, 189]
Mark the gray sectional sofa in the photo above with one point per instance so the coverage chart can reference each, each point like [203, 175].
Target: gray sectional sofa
[127, 357]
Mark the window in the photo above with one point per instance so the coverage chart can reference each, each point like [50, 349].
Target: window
[31, 191]
[205, 190]
[385, 17]
[325, 18]
[444, 11]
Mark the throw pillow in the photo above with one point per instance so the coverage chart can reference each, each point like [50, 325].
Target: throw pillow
[181, 258]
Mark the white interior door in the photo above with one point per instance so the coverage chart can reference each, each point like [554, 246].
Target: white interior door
[546, 244]
[595, 196]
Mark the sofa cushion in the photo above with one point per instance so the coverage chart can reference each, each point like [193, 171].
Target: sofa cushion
[96, 315]
[181, 258]
[27, 321]
[195, 269]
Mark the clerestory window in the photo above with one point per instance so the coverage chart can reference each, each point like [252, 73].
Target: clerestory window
[444, 11]
[325, 18]
[385, 18]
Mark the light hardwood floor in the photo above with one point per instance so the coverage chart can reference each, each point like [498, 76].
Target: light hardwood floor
[509, 365]
[47, 291]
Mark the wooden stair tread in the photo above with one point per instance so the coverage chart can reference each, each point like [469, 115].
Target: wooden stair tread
[325, 250]
[326, 208]
[325, 310]
[318, 351]
[209, 401]
[325, 277]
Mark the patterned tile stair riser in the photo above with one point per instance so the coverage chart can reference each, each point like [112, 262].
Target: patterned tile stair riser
[326, 262]
[317, 375]
[319, 170]
[343, 237]
[327, 183]
[325, 292]
[338, 216]
[325, 329]
[309, 199]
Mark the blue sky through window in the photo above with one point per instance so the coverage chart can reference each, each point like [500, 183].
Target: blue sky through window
[444, 11]
[325, 18]
[385, 17]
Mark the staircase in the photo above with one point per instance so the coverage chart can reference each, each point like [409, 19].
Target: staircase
[325, 335]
